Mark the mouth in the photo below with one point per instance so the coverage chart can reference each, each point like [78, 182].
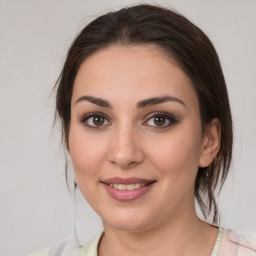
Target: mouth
[127, 189]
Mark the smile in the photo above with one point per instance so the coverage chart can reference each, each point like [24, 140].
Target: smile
[127, 189]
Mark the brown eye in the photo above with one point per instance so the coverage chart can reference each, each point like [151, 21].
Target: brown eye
[159, 120]
[98, 120]
[95, 121]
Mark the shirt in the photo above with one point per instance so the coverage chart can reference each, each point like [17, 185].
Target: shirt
[228, 243]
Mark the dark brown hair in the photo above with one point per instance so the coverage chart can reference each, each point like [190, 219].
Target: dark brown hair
[190, 48]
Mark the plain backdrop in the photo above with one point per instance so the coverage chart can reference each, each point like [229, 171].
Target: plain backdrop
[36, 209]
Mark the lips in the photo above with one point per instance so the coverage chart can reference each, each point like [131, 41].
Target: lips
[127, 189]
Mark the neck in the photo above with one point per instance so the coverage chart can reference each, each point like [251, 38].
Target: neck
[183, 237]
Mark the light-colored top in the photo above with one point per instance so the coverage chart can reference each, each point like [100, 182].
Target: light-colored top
[228, 243]
[217, 242]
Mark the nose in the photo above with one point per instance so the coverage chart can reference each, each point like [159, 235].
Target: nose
[125, 148]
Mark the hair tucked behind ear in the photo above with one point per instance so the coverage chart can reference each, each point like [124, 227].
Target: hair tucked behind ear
[182, 41]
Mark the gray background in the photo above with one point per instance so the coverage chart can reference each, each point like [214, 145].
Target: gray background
[36, 209]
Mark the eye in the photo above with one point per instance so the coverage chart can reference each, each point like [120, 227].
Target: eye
[160, 120]
[95, 120]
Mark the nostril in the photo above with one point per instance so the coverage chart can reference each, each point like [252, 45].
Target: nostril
[124, 151]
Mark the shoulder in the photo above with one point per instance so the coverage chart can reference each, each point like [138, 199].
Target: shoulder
[238, 243]
[43, 252]
[243, 239]
[69, 248]
[91, 248]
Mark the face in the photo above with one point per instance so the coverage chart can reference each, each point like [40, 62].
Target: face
[135, 137]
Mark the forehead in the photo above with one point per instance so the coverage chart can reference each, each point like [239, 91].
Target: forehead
[139, 71]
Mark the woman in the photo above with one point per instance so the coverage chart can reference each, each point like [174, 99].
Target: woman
[146, 120]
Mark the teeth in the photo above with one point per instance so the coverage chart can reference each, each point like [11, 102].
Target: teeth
[131, 186]
[122, 187]
[138, 185]
[127, 187]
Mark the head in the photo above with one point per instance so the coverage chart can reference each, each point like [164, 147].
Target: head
[187, 48]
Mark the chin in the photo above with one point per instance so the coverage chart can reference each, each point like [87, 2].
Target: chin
[130, 226]
[131, 221]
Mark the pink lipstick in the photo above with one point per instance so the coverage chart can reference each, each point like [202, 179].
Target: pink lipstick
[127, 189]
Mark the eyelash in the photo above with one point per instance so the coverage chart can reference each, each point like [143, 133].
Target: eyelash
[85, 119]
[167, 117]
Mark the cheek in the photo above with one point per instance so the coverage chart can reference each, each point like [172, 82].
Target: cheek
[177, 156]
[86, 151]
[177, 165]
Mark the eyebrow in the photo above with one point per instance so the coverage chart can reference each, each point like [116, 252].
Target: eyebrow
[98, 101]
[142, 104]
[158, 100]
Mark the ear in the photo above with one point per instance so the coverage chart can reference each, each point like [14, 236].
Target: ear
[210, 143]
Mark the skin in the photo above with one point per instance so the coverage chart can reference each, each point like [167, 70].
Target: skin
[130, 144]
